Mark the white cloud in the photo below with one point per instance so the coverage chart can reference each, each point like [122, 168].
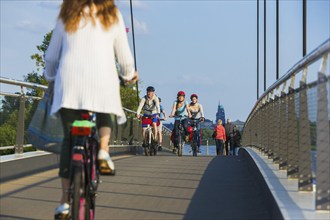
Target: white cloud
[137, 4]
[32, 27]
[197, 80]
[191, 80]
[140, 27]
[53, 5]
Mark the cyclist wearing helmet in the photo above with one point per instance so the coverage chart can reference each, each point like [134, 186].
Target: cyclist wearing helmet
[150, 106]
[197, 112]
[180, 108]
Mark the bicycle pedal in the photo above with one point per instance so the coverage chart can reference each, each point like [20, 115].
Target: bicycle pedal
[61, 216]
[105, 169]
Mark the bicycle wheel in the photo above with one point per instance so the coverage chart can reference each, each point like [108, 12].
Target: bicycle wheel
[194, 147]
[146, 143]
[94, 166]
[93, 182]
[180, 143]
[78, 194]
[89, 205]
[153, 146]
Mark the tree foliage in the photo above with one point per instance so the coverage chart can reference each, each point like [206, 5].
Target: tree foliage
[207, 135]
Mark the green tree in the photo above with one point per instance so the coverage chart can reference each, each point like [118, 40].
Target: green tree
[39, 58]
[207, 135]
[8, 105]
[8, 130]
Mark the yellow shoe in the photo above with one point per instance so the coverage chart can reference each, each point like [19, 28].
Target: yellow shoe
[62, 212]
[105, 163]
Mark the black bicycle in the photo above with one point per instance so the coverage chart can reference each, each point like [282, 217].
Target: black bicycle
[85, 172]
[195, 133]
[180, 136]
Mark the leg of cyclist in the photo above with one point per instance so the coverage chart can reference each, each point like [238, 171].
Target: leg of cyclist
[143, 135]
[155, 131]
[68, 116]
[185, 126]
[160, 136]
[155, 121]
[198, 138]
[103, 123]
[176, 132]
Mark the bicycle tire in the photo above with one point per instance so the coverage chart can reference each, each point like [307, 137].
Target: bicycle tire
[78, 194]
[94, 166]
[146, 143]
[180, 145]
[153, 147]
[94, 177]
[89, 206]
[194, 150]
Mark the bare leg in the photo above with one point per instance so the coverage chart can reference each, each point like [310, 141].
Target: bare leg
[160, 138]
[154, 125]
[105, 138]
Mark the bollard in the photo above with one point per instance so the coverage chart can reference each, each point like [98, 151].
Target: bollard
[20, 128]
[207, 147]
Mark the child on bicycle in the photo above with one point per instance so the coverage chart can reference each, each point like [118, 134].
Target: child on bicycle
[150, 106]
[180, 108]
[81, 60]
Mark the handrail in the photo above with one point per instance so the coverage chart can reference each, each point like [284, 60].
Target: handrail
[118, 132]
[19, 95]
[22, 83]
[313, 56]
[289, 123]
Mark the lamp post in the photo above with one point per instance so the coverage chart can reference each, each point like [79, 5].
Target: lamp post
[132, 21]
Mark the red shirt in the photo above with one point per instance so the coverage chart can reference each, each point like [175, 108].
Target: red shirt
[221, 134]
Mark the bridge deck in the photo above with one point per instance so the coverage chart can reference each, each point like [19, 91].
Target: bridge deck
[161, 187]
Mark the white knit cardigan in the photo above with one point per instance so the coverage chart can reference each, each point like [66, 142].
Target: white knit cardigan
[84, 69]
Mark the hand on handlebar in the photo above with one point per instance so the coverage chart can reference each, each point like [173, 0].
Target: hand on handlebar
[132, 81]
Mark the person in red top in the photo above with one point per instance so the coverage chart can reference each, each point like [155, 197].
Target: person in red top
[220, 138]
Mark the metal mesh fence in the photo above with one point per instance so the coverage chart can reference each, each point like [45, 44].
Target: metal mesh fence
[290, 124]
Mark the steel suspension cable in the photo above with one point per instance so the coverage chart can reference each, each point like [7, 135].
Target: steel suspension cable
[133, 36]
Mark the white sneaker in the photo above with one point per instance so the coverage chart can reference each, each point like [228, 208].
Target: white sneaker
[105, 162]
[62, 212]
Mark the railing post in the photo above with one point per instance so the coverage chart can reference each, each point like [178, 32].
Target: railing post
[292, 136]
[283, 148]
[276, 115]
[207, 147]
[305, 162]
[20, 128]
[271, 124]
[323, 142]
[262, 132]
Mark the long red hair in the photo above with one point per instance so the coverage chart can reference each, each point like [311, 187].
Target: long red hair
[73, 10]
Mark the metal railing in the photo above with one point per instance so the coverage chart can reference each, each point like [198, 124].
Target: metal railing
[128, 134]
[290, 124]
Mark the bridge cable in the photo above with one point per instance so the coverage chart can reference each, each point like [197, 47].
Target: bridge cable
[133, 36]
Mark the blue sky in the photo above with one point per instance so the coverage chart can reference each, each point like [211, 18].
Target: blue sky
[203, 47]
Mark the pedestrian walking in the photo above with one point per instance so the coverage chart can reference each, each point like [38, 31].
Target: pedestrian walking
[220, 138]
